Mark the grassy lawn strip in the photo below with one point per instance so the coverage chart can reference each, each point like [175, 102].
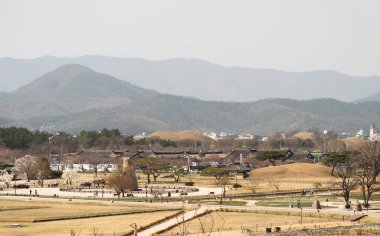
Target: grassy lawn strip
[224, 203]
[282, 204]
[286, 204]
[57, 218]
[360, 197]
[290, 213]
[15, 208]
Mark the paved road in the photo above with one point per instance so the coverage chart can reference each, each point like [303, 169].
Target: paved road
[107, 194]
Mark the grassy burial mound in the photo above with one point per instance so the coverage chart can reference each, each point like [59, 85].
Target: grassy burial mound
[352, 142]
[305, 135]
[182, 135]
[299, 171]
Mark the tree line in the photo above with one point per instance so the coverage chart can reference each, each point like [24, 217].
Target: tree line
[22, 138]
[357, 169]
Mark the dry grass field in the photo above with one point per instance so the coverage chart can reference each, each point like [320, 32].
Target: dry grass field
[230, 223]
[29, 211]
[65, 214]
[107, 225]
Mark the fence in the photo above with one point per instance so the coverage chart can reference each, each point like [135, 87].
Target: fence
[261, 194]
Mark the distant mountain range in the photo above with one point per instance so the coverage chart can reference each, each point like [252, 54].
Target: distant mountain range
[74, 97]
[200, 79]
[374, 97]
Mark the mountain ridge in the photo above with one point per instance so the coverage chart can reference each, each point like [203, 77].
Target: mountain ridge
[93, 101]
[374, 97]
[201, 79]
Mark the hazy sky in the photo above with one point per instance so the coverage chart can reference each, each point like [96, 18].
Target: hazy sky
[294, 35]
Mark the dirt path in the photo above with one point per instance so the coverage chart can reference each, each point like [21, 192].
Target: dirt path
[172, 222]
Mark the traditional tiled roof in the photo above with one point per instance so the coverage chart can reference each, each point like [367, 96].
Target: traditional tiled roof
[99, 153]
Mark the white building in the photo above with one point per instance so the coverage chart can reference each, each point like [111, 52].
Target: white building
[373, 135]
[360, 134]
[246, 137]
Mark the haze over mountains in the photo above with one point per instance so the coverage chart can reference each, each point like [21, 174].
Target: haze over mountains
[201, 79]
[74, 97]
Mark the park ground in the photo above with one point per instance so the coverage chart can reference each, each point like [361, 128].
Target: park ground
[89, 215]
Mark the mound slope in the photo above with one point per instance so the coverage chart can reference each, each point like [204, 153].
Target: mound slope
[352, 141]
[296, 170]
[305, 135]
[183, 135]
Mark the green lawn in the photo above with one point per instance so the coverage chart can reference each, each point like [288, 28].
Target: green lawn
[286, 204]
[224, 203]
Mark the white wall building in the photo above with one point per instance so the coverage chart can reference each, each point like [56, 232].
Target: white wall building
[373, 135]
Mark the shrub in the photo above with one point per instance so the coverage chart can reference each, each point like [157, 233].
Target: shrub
[56, 174]
[21, 186]
[98, 182]
[189, 183]
[236, 185]
[86, 184]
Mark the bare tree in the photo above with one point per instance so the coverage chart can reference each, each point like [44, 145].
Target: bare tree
[276, 184]
[366, 183]
[94, 161]
[152, 166]
[43, 170]
[177, 173]
[347, 182]
[121, 181]
[182, 223]
[223, 182]
[203, 223]
[317, 185]
[27, 165]
[368, 156]
[157, 192]
[69, 175]
[252, 186]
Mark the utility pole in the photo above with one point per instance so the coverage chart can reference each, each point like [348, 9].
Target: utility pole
[60, 158]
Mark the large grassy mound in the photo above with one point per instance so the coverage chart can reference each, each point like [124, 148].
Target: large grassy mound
[296, 170]
[183, 135]
[352, 141]
[305, 135]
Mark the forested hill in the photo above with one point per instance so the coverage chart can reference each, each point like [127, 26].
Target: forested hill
[73, 98]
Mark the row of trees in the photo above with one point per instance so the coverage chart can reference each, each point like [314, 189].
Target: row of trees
[35, 168]
[22, 138]
[362, 166]
[153, 167]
